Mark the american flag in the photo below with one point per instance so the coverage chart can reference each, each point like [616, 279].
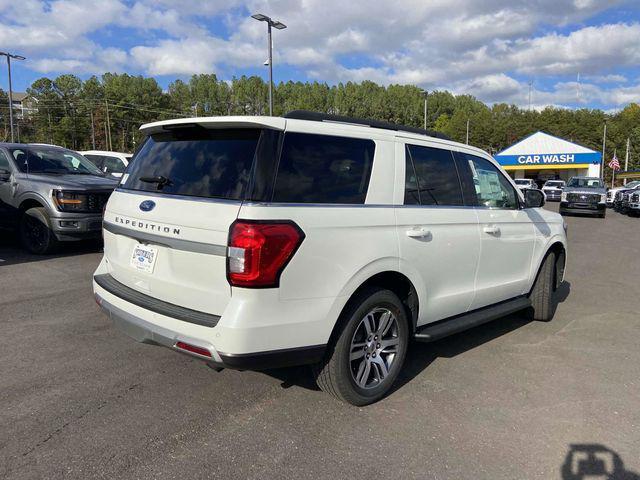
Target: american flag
[614, 164]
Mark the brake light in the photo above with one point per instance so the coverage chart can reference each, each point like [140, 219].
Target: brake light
[259, 251]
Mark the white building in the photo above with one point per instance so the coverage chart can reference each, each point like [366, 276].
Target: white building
[542, 156]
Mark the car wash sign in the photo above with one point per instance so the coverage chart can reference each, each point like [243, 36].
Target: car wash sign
[549, 158]
[544, 150]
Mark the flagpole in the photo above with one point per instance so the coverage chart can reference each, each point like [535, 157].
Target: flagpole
[626, 161]
[613, 174]
[604, 144]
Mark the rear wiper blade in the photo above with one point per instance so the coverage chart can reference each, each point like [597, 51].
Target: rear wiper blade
[160, 180]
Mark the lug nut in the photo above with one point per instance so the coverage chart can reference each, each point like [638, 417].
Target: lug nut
[374, 354]
[378, 346]
[368, 355]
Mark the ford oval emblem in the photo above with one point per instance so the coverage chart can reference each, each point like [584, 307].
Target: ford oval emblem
[147, 205]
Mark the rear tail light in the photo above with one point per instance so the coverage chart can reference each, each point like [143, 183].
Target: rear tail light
[259, 251]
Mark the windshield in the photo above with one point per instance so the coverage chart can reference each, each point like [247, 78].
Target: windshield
[582, 182]
[52, 160]
[523, 181]
[633, 184]
[554, 184]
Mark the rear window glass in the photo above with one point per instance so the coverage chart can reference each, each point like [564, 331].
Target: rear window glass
[323, 169]
[195, 162]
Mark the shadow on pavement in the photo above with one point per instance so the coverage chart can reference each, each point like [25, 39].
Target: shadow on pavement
[421, 355]
[11, 253]
[591, 461]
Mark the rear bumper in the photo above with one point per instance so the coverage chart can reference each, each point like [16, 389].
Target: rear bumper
[256, 331]
[151, 333]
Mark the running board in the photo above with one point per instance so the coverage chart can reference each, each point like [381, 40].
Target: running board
[443, 328]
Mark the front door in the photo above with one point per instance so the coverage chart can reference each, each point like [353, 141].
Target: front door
[506, 231]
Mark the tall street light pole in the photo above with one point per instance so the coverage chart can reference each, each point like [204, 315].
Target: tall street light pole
[9, 57]
[279, 26]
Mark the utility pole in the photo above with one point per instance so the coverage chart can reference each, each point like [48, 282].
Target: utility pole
[426, 97]
[280, 26]
[106, 104]
[604, 146]
[626, 160]
[530, 85]
[9, 57]
[93, 131]
[49, 118]
[467, 131]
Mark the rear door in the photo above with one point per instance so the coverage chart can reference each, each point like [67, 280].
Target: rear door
[437, 233]
[166, 227]
[507, 233]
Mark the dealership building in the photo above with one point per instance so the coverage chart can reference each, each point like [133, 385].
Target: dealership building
[543, 157]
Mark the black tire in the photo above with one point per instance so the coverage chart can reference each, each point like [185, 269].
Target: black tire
[35, 232]
[336, 373]
[543, 301]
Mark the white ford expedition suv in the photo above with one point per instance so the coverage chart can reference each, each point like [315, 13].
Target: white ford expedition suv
[261, 242]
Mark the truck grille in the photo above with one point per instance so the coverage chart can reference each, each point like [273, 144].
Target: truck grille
[583, 197]
[635, 197]
[97, 201]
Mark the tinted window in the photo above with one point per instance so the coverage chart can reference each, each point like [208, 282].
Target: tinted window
[323, 169]
[95, 159]
[492, 188]
[434, 177]
[4, 162]
[196, 162]
[112, 165]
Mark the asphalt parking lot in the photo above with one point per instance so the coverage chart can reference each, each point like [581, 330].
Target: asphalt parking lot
[510, 400]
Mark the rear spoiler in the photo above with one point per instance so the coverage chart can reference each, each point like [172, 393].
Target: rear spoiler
[275, 123]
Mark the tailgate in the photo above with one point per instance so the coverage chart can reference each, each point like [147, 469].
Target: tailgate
[189, 264]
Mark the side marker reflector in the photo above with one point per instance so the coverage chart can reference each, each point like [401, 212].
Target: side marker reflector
[193, 349]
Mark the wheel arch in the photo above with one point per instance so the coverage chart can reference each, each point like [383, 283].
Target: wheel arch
[32, 200]
[392, 280]
[558, 248]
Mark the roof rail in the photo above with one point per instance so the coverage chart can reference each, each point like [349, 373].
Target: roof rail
[325, 117]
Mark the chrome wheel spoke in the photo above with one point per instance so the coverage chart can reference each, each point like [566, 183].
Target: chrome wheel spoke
[368, 323]
[386, 320]
[356, 354]
[389, 344]
[382, 367]
[363, 373]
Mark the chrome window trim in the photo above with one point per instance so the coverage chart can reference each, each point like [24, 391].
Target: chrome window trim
[174, 243]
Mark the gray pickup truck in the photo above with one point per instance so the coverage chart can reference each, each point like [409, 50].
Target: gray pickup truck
[50, 195]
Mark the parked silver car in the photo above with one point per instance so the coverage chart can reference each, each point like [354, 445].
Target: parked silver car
[50, 194]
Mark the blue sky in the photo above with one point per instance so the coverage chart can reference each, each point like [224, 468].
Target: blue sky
[491, 49]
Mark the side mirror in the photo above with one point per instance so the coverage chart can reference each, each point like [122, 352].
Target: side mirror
[5, 175]
[533, 198]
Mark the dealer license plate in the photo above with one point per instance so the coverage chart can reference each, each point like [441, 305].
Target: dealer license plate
[144, 258]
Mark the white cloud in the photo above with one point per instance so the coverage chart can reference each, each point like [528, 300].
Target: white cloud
[483, 48]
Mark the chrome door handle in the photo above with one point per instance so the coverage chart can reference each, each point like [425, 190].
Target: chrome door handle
[491, 229]
[418, 232]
